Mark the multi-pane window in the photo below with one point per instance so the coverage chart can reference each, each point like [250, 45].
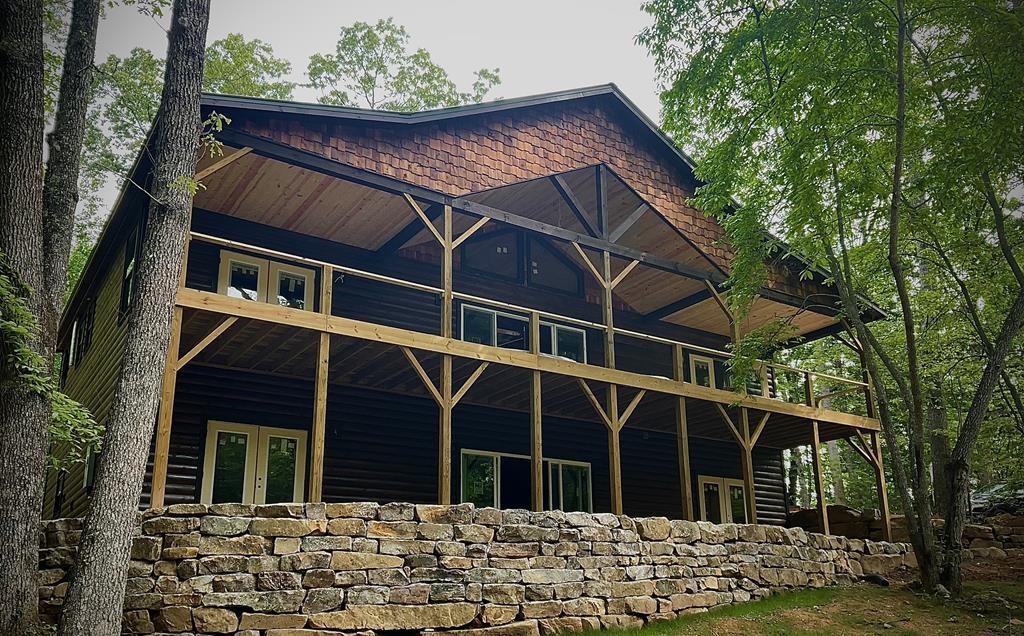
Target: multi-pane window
[245, 463]
[722, 500]
[81, 332]
[260, 280]
[502, 480]
[130, 267]
[511, 331]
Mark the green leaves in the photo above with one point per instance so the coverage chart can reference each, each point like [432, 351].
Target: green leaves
[70, 422]
[372, 67]
[236, 66]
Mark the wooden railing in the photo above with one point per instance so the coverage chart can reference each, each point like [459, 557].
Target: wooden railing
[810, 378]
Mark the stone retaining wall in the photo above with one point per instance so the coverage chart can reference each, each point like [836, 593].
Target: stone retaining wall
[307, 570]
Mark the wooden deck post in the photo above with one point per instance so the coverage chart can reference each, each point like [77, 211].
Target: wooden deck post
[682, 437]
[747, 461]
[880, 487]
[444, 450]
[536, 422]
[819, 478]
[316, 458]
[162, 446]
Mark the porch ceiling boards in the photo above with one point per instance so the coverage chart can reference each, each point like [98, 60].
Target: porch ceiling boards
[279, 194]
[285, 351]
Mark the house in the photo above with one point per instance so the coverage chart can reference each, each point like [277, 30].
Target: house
[510, 303]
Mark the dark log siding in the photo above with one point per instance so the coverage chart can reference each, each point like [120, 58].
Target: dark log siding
[382, 447]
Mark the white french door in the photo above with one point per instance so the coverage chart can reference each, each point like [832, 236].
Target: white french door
[722, 500]
[245, 463]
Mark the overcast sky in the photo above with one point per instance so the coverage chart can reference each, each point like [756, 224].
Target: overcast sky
[539, 46]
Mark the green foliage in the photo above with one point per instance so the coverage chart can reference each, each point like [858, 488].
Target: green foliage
[371, 66]
[791, 108]
[236, 66]
[71, 424]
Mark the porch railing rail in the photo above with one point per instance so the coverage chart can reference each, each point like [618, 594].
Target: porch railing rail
[809, 378]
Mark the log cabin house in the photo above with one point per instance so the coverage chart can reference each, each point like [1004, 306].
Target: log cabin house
[510, 303]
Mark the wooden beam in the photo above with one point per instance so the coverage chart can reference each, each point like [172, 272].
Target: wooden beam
[880, 487]
[682, 437]
[162, 444]
[590, 265]
[536, 445]
[444, 445]
[732, 425]
[447, 293]
[630, 220]
[608, 312]
[316, 455]
[595, 402]
[362, 330]
[202, 344]
[468, 384]
[573, 202]
[819, 478]
[632, 407]
[404, 235]
[221, 163]
[861, 451]
[423, 217]
[601, 185]
[759, 429]
[748, 467]
[418, 368]
[482, 221]
[625, 272]
[687, 301]
[615, 469]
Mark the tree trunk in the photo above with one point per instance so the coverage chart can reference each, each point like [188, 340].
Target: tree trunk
[960, 459]
[24, 414]
[37, 220]
[96, 595]
[939, 442]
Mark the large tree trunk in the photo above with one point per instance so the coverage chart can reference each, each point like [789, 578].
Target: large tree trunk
[37, 221]
[958, 468]
[939, 442]
[96, 595]
[24, 414]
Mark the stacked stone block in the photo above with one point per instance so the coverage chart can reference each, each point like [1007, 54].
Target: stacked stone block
[307, 570]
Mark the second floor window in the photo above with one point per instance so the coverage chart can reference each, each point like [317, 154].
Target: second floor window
[511, 331]
[130, 268]
[259, 280]
[81, 332]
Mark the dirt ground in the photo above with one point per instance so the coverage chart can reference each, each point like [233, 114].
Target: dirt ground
[992, 603]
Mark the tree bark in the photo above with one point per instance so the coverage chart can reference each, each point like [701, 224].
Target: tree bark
[95, 597]
[24, 414]
[959, 460]
[939, 442]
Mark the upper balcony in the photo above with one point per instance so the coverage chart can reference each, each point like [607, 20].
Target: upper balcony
[574, 275]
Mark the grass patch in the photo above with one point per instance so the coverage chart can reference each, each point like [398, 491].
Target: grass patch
[987, 607]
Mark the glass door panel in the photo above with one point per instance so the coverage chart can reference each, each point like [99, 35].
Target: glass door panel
[737, 504]
[230, 463]
[575, 488]
[280, 470]
[711, 501]
[478, 479]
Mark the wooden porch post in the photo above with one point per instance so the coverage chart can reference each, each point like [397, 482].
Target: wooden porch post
[614, 450]
[316, 459]
[880, 487]
[747, 461]
[444, 450]
[536, 421]
[682, 437]
[161, 450]
[819, 478]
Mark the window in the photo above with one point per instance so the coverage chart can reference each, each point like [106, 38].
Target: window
[563, 342]
[502, 480]
[89, 471]
[479, 479]
[549, 268]
[495, 254]
[81, 332]
[253, 464]
[509, 331]
[260, 280]
[702, 371]
[291, 286]
[130, 267]
[569, 486]
[722, 500]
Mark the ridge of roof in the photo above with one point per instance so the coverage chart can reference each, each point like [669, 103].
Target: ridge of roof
[330, 111]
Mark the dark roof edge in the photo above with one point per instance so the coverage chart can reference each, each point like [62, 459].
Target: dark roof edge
[440, 114]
